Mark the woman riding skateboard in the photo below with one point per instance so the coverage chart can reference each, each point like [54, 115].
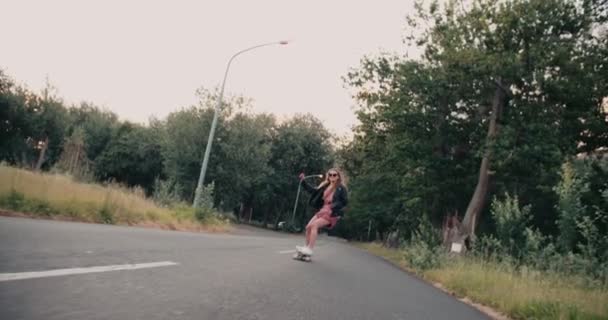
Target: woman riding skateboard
[329, 199]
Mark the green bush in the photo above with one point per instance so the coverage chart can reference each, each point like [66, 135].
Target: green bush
[204, 208]
[551, 310]
[16, 201]
[583, 207]
[202, 214]
[424, 250]
[422, 256]
[166, 193]
[570, 206]
[488, 247]
[105, 215]
[512, 230]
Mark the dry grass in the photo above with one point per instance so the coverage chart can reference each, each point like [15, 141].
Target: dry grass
[395, 256]
[522, 294]
[519, 294]
[59, 197]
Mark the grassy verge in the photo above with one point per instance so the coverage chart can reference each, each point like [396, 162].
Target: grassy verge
[522, 294]
[55, 196]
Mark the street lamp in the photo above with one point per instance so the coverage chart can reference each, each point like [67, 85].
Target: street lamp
[201, 178]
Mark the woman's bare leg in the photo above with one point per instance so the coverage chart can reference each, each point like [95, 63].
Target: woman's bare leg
[308, 228]
[314, 231]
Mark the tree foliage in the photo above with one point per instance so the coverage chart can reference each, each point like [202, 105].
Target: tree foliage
[254, 161]
[424, 121]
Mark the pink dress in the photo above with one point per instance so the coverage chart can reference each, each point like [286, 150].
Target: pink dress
[325, 212]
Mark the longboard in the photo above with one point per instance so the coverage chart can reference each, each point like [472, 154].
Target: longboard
[302, 257]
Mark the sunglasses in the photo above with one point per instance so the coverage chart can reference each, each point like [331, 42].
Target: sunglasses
[333, 174]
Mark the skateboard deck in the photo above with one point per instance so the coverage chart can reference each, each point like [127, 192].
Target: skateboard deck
[301, 256]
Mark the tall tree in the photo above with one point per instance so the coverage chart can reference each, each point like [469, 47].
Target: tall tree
[98, 126]
[133, 156]
[14, 124]
[300, 144]
[49, 119]
[245, 153]
[184, 137]
[531, 74]
[31, 125]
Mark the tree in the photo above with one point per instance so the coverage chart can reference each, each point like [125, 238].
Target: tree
[245, 153]
[14, 128]
[97, 125]
[300, 144]
[529, 73]
[133, 156]
[32, 126]
[48, 121]
[73, 159]
[184, 137]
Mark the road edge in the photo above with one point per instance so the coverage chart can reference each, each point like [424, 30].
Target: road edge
[487, 310]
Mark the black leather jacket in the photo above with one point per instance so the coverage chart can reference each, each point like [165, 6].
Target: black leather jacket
[338, 202]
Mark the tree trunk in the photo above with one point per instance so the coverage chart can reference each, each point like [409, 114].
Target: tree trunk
[42, 154]
[76, 166]
[466, 229]
[237, 212]
[392, 240]
[265, 216]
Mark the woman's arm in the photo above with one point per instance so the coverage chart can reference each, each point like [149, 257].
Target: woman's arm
[307, 186]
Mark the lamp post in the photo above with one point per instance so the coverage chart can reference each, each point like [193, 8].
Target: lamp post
[201, 178]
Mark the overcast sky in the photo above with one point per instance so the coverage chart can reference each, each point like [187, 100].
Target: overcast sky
[144, 58]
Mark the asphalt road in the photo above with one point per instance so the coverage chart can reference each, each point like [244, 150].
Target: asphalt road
[154, 274]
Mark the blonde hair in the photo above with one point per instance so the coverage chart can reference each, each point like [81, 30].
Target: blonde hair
[341, 178]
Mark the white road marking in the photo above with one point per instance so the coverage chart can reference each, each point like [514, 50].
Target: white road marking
[70, 271]
[287, 251]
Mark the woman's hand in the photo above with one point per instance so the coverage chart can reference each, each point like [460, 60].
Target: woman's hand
[301, 176]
